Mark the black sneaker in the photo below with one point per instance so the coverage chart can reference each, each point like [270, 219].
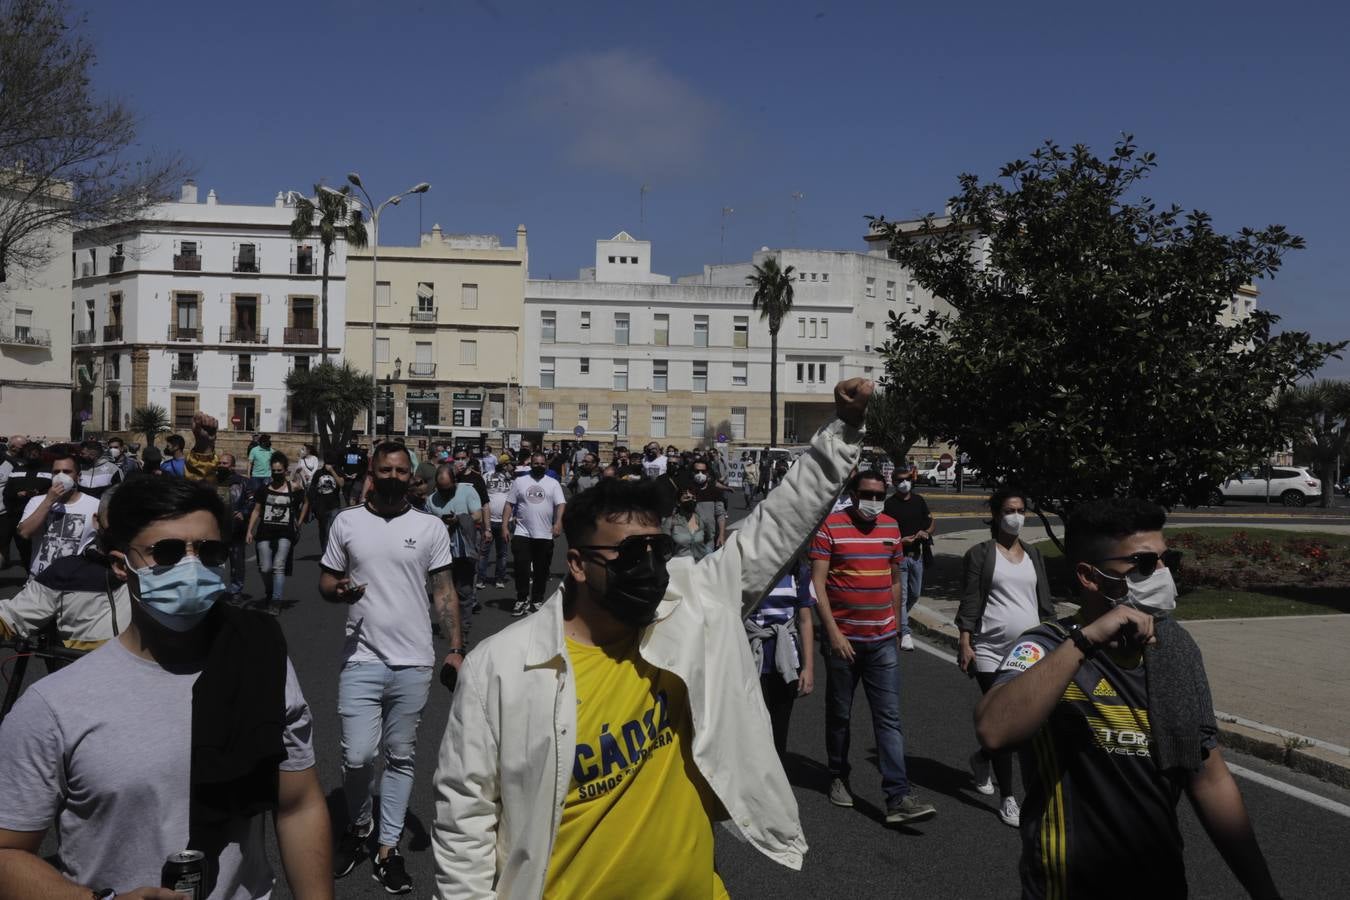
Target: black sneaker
[536, 606]
[390, 873]
[350, 849]
[520, 609]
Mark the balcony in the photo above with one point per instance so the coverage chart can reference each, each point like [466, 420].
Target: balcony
[116, 264]
[421, 370]
[425, 315]
[243, 335]
[302, 336]
[302, 267]
[112, 334]
[184, 377]
[185, 333]
[84, 336]
[246, 264]
[27, 336]
[243, 376]
[187, 262]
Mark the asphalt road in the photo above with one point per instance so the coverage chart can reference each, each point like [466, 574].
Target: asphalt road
[966, 852]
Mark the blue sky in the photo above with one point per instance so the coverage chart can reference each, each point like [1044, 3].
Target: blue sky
[554, 114]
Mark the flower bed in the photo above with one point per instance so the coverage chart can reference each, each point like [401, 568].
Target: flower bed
[1243, 561]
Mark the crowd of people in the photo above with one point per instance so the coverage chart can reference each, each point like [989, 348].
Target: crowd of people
[592, 737]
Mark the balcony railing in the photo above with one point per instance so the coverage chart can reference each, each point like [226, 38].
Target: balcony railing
[243, 335]
[27, 336]
[246, 264]
[424, 314]
[185, 333]
[187, 262]
[302, 267]
[84, 336]
[421, 370]
[116, 264]
[302, 336]
[243, 375]
[112, 333]
[183, 375]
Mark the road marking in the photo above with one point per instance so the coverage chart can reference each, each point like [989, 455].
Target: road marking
[1274, 784]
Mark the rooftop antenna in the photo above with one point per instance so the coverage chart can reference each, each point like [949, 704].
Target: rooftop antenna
[726, 211]
[642, 211]
[792, 219]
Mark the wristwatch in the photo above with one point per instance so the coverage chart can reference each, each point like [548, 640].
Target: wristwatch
[103, 894]
[458, 650]
[1081, 641]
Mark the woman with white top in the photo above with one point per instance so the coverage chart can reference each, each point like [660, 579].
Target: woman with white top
[1004, 592]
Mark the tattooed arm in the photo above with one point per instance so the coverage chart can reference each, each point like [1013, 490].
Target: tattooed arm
[447, 614]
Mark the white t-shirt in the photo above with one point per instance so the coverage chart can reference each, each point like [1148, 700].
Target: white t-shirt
[654, 468]
[1010, 611]
[499, 494]
[533, 503]
[392, 558]
[70, 528]
[488, 463]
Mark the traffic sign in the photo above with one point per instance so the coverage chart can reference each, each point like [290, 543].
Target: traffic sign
[85, 415]
[578, 431]
[721, 438]
[945, 461]
[236, 421]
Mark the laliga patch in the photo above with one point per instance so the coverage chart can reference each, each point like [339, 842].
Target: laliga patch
[1024, 656]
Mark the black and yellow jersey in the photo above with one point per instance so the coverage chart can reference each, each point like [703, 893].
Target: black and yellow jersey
[1099, 820]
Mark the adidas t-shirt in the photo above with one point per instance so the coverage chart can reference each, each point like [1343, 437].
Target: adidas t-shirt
[392, 557]
[1096, 804]
[533, 503]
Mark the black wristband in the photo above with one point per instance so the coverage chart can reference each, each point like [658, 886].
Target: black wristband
[1081, 641]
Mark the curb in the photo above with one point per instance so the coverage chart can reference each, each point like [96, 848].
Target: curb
[1264, 742]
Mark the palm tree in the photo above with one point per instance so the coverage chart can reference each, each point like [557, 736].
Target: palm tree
[1317, 418]
[149, 421]
[338, 215]
[335, 394]
[773, 298]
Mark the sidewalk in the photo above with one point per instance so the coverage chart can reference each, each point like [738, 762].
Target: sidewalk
[1279, 684]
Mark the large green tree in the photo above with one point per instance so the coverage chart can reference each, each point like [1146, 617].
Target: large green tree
[1316, 417]
[1089, 352]
[334, 215]
[773, 298]
[335, 394]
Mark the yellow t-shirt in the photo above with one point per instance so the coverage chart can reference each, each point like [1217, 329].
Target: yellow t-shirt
[635, 822]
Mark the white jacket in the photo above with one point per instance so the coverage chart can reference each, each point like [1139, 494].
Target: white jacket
[506, 758]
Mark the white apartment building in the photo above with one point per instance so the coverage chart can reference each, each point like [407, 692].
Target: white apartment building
[627, 352]
[203, 305]
[35, 345]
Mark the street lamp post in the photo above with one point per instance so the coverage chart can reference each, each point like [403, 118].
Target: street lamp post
[355, 180]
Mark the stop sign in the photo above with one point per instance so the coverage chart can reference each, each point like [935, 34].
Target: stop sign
[235, 420]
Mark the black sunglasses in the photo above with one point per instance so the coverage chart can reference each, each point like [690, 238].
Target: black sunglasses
[1146, 561]
[633, 550]
[170, 551]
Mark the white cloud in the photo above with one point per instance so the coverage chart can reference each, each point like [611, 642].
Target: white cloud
[621, 112]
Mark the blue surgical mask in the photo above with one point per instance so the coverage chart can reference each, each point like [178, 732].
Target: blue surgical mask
[179, 596]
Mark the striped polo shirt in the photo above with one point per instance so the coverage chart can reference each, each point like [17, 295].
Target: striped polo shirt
[859, 583]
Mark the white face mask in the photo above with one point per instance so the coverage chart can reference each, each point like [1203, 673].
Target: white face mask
[114, 452]
[903, 487]
[1155, 592]
[1012, 523]
[64, 482]
[870, 509]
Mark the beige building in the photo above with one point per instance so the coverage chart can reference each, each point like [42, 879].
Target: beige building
[448, 335]
[35, 370]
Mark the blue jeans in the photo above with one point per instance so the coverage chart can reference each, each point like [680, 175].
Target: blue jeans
[272, 556]
[380, 705]
[877, 664]
[499, 543]
[912, 570]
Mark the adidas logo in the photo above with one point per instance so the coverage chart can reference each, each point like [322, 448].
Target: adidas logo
[411, 544]
[1103, 689]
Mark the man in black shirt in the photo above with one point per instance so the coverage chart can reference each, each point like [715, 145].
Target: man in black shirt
[353, 470]
[1115, 706]
[916, 532]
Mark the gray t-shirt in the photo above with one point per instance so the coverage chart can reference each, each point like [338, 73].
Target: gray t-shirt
[102, 749]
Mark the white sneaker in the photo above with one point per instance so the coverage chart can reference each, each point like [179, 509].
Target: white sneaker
[907, 642]
[983, 774]
[1010, 812]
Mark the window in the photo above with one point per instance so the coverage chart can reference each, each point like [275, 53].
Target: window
[620, 423]
[611, 260]
[382, 294]
[700, 331]
[426, 301]
[548, 326]
[738, 423]
[583, 413]
[301, 364]
[661, 330]
[700, 378]
[468, 296]
[824, 276]
[871, 290]
[813, 276]
[621, 328]
[584, 364]
[698, 421]
[824, 328]
[811, 328]
[801, 276]
[23, 324]
[740, 374]
[468, 353]
[660, 374]
[585, 322]
[890, 290]
[867, 337]
[620, 374]
[304, 260]
[184, 408]
[741, 331]
[545, 416]
[801, 328]
[244, 370]
[909, 292]
[800, 367]
[382, 350]
[634, 260]
[546, 371]
[423, 357]
[187, 325]
[247, 260]
[658, 421]
[823, 378]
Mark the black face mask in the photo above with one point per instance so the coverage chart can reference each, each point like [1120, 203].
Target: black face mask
[223, 475]
[633, 590]
[278, 477]
[390, 490]
[538, 471]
